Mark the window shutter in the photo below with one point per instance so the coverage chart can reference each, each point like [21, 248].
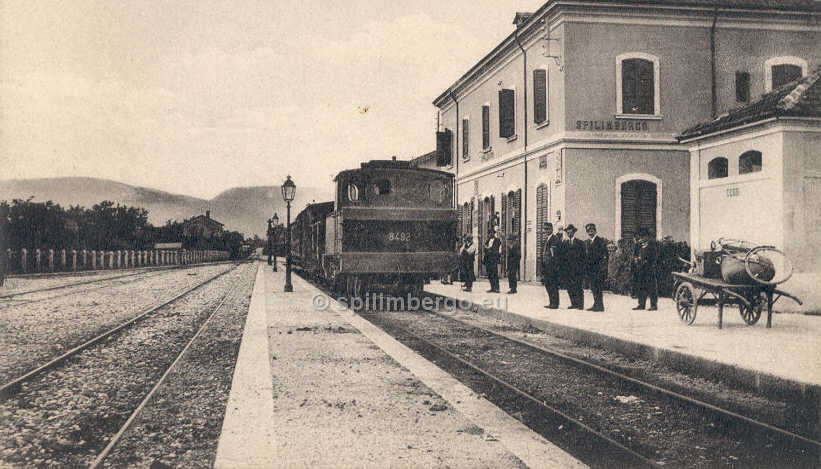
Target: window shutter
[503, 234]
[517, 213]
[628, 210]
[541, 209]
[785, 73]
[491, 210]
[465, 139]
[637, 87]
[443, 148]
[471, 218]
[742, 87]
[480, 238]
[645, 89]
[628, 86]
[638, 208]
[460, 223]
[507, 124]
[485, 127]
[539, 96]
[647, 207]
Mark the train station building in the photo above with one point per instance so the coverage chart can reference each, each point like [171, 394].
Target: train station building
[756, 173]
[574, 117]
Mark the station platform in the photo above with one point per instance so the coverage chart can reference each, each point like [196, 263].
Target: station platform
[317, 386]
[783, 358]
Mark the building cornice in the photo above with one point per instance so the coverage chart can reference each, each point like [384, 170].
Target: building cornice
[754, 129]
[637, 13]
[574, 140]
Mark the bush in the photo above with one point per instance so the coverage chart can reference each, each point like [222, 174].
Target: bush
[620, 266]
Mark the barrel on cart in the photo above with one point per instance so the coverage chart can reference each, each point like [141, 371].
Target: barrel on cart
[733, 272]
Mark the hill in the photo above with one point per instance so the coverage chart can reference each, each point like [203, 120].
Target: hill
[243, 209]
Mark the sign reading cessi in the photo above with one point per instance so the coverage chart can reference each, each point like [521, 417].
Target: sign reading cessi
[611, 125]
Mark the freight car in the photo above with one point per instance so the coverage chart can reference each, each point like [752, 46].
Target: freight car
[390, 227]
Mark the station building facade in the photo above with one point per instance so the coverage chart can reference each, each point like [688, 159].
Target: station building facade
[573, 118]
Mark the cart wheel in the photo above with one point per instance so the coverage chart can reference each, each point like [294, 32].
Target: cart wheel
[752, 314]
[686, 304]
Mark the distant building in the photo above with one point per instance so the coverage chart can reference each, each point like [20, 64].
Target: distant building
[168, 246]
[202, 227]
[755, 173]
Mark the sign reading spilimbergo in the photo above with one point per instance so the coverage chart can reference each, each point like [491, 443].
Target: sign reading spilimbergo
[625, 125]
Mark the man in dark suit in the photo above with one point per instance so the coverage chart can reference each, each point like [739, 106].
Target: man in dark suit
[597, 257]
[514, 255]
[550, 265]
[574, 267]
[492, 253]
[645, 264]
[467, 256]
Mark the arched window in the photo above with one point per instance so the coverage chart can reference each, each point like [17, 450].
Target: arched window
[637, 84]
[717, 168]
[779, 71]
[749, 162]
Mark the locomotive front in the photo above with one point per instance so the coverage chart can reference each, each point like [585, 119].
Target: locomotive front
[393, 227]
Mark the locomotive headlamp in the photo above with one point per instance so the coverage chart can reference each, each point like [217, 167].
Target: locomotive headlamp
[275, 219]
[288, 190]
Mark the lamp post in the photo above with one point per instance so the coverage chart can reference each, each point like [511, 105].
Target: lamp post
[270, 234]
[272, 240]
[288, 192]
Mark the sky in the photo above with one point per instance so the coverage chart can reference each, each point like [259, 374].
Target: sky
[195, 97]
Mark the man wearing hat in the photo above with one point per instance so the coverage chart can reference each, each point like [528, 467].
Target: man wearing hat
[574, 267]
[597, 257]
[550, 264]
[491, 257]
[467, 256]
[514, 255]
[644, 263]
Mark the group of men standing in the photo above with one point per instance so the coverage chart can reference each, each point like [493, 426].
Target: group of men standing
[565, 262]
[492, 256]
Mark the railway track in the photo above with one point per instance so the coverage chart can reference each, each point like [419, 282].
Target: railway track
[141, 271]
[10, 387]
[152, 344]
[633, 422]
[11, 301]
[605, 418]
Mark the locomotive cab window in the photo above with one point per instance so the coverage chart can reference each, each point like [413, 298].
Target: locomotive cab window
[353, 193]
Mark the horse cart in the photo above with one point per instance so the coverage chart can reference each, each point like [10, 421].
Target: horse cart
[736, 273]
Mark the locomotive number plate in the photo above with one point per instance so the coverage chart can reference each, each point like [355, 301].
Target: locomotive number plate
[399, 236]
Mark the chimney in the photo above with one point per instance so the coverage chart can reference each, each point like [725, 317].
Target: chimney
[208, 214]
[393, 158]
[521, 18]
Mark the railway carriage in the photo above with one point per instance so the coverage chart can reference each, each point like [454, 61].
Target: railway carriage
[308, 238]
[390, 228]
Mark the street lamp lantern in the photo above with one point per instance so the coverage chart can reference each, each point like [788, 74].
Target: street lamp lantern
[288, 193]
[275, 243]
[288, 190]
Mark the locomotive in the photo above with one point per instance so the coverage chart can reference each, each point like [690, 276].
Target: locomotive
[389, 228]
